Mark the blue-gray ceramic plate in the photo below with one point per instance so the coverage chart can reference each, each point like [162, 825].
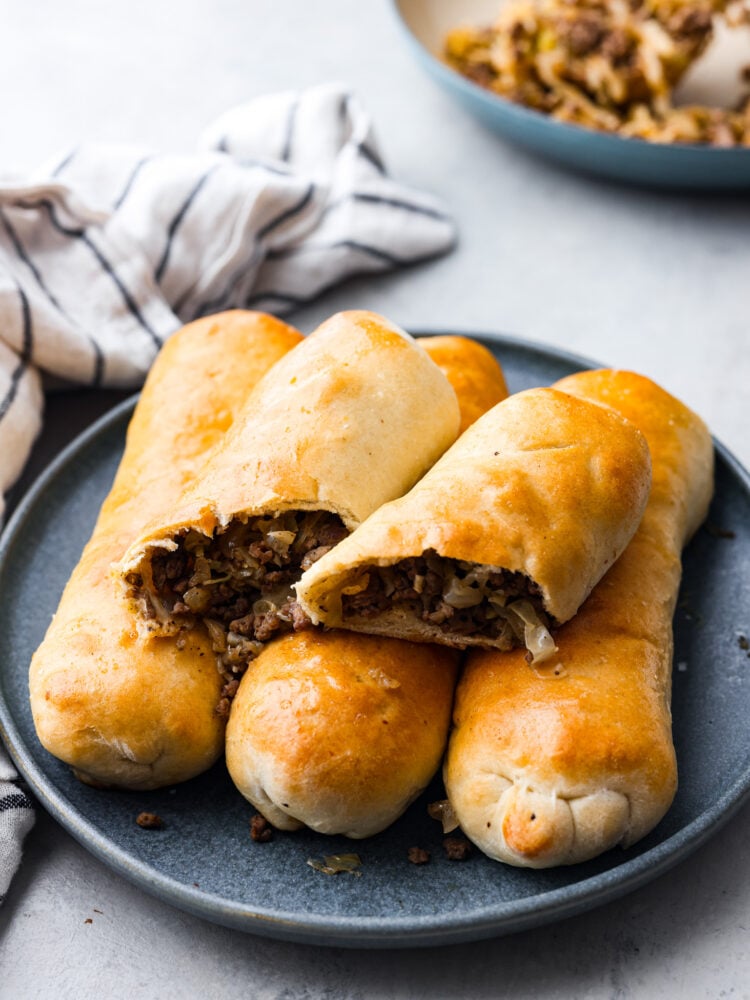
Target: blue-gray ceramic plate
[678, 166]
[204, 860]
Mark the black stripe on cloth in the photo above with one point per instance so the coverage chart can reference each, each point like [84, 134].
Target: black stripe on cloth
[344, 107]
[23, 255]
[16, 800]
[286, 300]
[379, 199]
[294, 301]
[24, 358]
[174, 225]
[130, 181]
[21, 251]
[270, 168]
[223, 299]
[371, 156]
[64, 162]
[127, 298]
[246, 161]
[287, 214]
[286, 148]
[222, 146]
[362, 147]
[206, 308]
[75, 232]
[387, 258]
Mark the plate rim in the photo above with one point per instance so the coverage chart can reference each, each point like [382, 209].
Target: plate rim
[491, 920]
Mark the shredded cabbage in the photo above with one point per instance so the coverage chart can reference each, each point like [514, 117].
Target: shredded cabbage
[444, 813]
[460, 594]
[473, 587]
[280, 541]
[538, 641]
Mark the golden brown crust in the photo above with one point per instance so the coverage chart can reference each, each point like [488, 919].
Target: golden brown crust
[556, 765]
[545, 484]
[119, 709]
[472, 370]
[351, 419]
[682, 485]
[339, 732]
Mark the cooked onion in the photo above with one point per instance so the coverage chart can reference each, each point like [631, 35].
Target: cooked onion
[197, 599]
[333, 864]
[444, 813]
[459, 594]
[537, 638]
[280, 541]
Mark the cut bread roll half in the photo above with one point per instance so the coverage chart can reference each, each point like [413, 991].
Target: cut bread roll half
[339, 731]
[351, 418]
[502, 540]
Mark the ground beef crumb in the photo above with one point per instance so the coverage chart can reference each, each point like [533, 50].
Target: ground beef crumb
[230, 688]
[149, 821]
[418, 855]
[744, 643]
[261, 830]
[222, 708]
[456, 848]
[584, 36]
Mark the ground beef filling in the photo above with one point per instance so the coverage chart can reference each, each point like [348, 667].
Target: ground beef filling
[461, 598]
[238, 582]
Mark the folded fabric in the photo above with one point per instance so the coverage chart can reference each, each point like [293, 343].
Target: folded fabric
[110, 249]
[16, 819]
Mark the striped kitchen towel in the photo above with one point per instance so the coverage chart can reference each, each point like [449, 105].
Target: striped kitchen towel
[104, 254]
[110, 249]
[16, 819]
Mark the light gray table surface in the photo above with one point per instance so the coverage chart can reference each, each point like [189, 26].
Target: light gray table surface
[659, 282]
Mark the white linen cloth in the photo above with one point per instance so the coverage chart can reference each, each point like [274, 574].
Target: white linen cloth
[109, 250]
[16, 819]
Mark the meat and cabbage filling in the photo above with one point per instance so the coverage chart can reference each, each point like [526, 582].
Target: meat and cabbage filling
[463, 599]
[238, 582]
[612, 65]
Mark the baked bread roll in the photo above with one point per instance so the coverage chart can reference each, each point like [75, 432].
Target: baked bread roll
[340, 731]
[556, 765]
[472, 370]
[503, 538]
[122, 709]
[349, 419]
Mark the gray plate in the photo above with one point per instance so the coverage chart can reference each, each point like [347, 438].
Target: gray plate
[204, 861]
